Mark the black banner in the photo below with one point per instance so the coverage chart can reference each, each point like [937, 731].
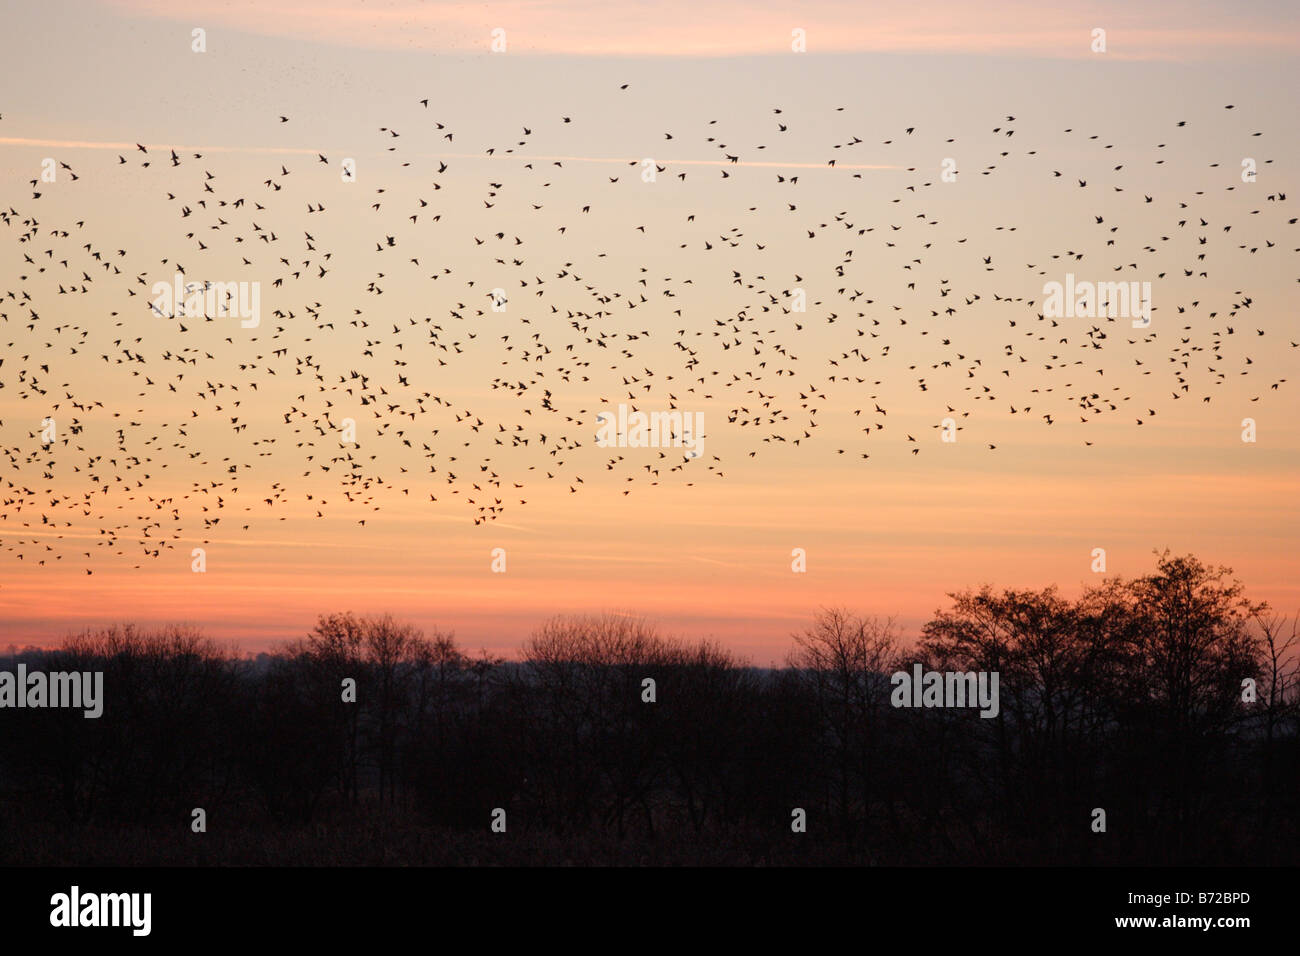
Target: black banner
[333, 906]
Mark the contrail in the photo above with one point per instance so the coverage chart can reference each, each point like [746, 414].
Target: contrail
[297, 151]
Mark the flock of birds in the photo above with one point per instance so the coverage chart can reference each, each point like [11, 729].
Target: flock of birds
[572, 322]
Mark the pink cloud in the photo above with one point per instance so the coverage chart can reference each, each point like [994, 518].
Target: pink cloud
[1157, 30]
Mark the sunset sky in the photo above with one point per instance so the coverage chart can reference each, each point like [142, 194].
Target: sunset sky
[705, 551]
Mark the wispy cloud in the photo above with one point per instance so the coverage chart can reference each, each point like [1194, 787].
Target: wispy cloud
[518, 157]
[1161, 29]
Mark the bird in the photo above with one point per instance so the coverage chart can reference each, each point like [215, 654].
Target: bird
[483, 268]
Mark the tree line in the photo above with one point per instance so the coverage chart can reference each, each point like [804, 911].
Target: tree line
[1167, 701]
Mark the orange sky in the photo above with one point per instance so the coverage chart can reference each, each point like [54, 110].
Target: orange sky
[707, 549]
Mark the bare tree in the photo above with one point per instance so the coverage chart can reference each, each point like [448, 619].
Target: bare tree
[845, 660]
[1281, 639]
